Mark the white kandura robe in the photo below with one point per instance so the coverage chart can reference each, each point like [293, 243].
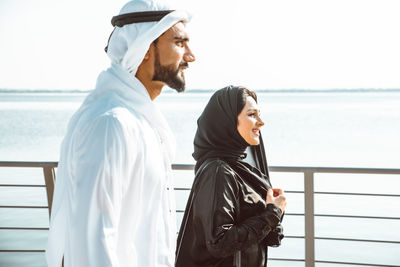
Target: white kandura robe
[113, 203]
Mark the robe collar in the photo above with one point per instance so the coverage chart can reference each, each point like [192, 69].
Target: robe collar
[116, 81]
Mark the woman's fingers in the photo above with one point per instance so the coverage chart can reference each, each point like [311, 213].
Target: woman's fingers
[270, 196]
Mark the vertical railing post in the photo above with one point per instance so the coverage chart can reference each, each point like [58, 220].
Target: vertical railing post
[49, 178]
[309, 218]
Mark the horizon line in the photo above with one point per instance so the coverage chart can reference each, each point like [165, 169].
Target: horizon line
[168, 90]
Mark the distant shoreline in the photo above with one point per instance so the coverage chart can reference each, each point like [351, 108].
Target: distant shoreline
[76, 91]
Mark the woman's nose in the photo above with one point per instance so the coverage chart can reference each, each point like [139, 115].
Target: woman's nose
[260, 122]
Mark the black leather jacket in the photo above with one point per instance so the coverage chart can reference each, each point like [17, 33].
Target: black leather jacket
[225, 216]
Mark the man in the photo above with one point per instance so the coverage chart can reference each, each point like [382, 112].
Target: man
[113, 201]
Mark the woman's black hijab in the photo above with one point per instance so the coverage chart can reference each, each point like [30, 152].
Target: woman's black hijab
[217, 137]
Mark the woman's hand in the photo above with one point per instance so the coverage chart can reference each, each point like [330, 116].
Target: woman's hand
[277, 197]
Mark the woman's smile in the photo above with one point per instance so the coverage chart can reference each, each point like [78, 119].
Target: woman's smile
[249, 122]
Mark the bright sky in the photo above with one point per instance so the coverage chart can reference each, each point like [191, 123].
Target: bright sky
[261, 44]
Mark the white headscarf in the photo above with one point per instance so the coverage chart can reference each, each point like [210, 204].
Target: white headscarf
[129, 44]
[126, 49]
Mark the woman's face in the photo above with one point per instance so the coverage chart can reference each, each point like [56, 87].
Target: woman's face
[249, 122]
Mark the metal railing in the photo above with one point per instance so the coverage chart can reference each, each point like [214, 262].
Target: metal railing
[309, 214]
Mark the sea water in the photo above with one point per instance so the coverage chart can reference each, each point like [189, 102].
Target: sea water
[322, 129]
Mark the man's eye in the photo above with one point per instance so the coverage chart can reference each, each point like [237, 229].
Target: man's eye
[179, 43]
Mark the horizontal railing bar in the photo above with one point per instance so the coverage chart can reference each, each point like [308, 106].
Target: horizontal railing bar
[332, 215]
[22, 185]
[28, 164]
[24, 228]
[357, 240]
[181, 189]
[311, 169]
[286, 236]
[286, 214]
[183, 167]
[284, 259]
[24, 207]
[360, 264]
[318, 192]
[188, 189]
[358, 217]
[356, 194]
[271, 168]
[294, 214]
[288, 191]
[333, 170]
[295, 236]
[22, 250]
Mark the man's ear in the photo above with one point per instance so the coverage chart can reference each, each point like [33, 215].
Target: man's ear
[149, 51]
[147, 55]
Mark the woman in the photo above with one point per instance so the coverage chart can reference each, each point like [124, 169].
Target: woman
[232, 213]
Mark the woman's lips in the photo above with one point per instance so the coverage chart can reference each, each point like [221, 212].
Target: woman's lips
[256, 131]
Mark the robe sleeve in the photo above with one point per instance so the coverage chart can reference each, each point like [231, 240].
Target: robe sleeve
[215, 208]
[102, 171]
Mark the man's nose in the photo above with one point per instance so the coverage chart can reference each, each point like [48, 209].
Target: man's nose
[189, 56]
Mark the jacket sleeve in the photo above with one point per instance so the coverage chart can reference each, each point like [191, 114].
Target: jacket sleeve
[215, 208]
[274, 238]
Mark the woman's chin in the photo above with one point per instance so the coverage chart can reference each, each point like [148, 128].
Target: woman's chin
[254, 141]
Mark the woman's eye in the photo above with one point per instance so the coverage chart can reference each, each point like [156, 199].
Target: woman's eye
[252, 114]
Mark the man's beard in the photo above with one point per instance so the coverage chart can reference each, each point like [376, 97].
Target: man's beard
[168, 74]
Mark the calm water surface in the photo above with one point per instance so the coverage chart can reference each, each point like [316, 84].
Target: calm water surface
[302, 129]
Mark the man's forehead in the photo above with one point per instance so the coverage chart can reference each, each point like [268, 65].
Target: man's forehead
[178, 30]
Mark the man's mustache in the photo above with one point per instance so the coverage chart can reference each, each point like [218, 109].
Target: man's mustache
[184, 64]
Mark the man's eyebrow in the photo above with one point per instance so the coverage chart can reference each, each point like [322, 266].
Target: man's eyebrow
[181, 38]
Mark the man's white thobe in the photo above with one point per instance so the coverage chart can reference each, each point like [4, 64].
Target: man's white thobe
[113, 203]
